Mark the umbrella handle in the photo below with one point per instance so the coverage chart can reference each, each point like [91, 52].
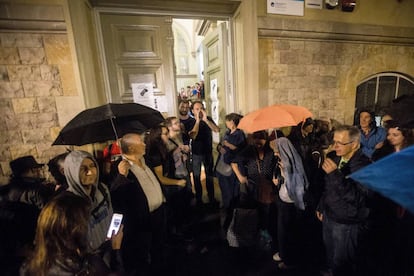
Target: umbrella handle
[113, 127]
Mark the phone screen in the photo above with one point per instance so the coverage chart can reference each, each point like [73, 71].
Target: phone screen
[115, 224]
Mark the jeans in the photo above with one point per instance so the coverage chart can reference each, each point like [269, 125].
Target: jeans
[341, 243]
[207, 161]
[230, 189]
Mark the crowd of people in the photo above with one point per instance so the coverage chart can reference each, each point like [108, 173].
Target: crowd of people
[305, 207]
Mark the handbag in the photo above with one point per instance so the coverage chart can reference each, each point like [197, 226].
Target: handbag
[244, 227]
[222, 167]
[180, 161]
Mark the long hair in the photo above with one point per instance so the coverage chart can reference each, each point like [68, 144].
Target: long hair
[61, 234]
[155, 143]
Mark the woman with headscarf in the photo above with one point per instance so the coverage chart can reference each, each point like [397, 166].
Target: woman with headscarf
[82, 175]
[292, 183]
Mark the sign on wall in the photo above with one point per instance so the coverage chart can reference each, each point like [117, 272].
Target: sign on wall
[286, 7]
[143, 93]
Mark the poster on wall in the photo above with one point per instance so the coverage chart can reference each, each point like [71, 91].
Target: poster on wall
[215, 117]
[214, 107]
[213, 90]
[143, 93]
[286, 7]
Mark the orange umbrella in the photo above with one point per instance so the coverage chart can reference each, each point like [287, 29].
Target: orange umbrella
[274, 116]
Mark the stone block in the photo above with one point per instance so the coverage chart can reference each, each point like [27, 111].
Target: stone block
[312, 47]
[280, 45]
[14, 122]
[47, 151]
[312, 70]
[265, 49]
[32, 55]
[45, 120]
[4, 74]
[5, 154]
[328, 70]
[21, 40]
[9, 56]
[68, 107]
[57, 49]
[297, 45]
[277, 70]
[287, 57]
[305, 58]
[54, 132]
[46, 104]
[21, 72]
[296, 70]
[327, 48]
[11, 89]
[25, 105]
[11, 137]
[68, 80]
[22, 150]
[42, 88]
[35, 136]
[49, 72]
[6, 107]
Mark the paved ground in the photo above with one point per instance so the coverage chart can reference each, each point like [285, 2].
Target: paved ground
[209, 254]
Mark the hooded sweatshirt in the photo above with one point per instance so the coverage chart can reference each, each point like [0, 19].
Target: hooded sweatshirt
[293, 171]
[101, 207]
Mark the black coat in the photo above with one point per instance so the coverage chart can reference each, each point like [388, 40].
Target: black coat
[345, 200]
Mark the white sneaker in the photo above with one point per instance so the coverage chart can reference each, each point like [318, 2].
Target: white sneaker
[276, 257]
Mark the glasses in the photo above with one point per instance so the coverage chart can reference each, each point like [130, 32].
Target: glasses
[342, 144]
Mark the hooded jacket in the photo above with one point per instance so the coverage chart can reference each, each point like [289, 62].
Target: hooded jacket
[101, 207]
[293, 171]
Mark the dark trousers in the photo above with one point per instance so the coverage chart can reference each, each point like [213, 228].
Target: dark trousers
[289, 223]
[143, 250]
[342, 244]
[207, 161]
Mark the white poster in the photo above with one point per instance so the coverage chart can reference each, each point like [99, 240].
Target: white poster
[213, 90]
[287, 7]
[143, 93]
[215, 117]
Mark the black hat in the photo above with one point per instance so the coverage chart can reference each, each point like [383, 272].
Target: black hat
[23, 164]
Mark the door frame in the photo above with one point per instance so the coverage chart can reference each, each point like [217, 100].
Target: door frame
[230, 107]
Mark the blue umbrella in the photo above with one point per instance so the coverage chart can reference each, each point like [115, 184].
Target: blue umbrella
[392, 176]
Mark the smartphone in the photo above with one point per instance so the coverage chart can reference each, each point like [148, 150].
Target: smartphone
[115, 224]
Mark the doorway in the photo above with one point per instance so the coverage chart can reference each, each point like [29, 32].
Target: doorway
[168, 53]
[202, 70]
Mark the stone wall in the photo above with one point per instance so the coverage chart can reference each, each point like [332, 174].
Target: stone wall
[37, 95]
[323, 75]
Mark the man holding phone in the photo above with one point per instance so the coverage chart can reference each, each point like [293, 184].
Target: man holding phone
[137, 194]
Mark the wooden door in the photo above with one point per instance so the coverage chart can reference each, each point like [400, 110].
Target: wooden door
[216, 72]
[138, 49]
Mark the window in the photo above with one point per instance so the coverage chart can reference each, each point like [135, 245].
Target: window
[377, 92]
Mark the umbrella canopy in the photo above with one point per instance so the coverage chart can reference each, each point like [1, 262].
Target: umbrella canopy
[392, 177]
[274, 116]
[107, 122]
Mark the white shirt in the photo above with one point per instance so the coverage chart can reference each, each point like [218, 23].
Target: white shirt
[149, 184]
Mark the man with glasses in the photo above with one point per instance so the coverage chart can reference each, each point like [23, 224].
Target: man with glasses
[343, 209]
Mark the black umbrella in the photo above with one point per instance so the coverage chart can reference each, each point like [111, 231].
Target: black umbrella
[402, 111]
[108, 122]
